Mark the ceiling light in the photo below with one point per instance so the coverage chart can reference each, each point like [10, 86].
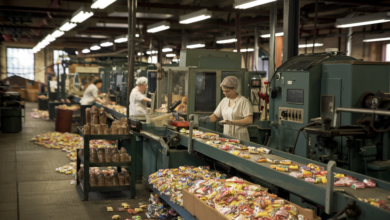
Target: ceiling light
[151, 52]
[267, 34]
[121, 39]
[176, 60]
[101, 4]
[245, 50]
[57, 33]
[376, 37]
[160, 26]
[363, 20]
[140, 54]
[136, 35]
[113, 25]
[226, 40]
[167, 50]
[170, 55]
[86, 50]
[106, 44]
[95, 47]
[197, 44]
[81, 15]
[49, 38]
[67, 26]
[244, 4]
[92, 36]
[195, 16]
[310, 45]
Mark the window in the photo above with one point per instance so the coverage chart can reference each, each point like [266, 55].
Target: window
[20, 62]
[152, 59]
[62, 55]
[387, 52]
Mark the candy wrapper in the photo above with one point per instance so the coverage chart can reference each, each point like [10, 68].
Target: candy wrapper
[358, 185]
[263, 150]
[369, 183]
[224, 147]
[253, 150]
[296, 174]
[261, 160]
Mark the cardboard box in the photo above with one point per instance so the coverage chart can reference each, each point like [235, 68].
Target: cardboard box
[202, 211]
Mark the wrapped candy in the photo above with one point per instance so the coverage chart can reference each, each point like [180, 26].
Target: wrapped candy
[296, 174]
[310, 180]
[369, 183]
[224, 147]
[263, 150]
[293, 167]
[253, 150]
[261, 160]
[287, 162]
[244, 155]
[358, 185]
[269, 160]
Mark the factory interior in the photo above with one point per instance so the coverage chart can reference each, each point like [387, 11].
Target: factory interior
[194, 109]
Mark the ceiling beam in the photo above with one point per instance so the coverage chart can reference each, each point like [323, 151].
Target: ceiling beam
[357, 2]
[27, 27]
[187, 7]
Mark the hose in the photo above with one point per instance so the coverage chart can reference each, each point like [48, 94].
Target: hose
[300, 130]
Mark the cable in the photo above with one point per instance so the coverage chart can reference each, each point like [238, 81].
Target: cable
[300, 130]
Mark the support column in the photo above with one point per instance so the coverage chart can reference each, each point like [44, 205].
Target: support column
[132, 8]
[159, 54]
[238, 32]
[290, 29]
[349, 42]
[256, 53]
[272, 25]
[183, 39]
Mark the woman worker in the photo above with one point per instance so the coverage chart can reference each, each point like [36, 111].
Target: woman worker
[91, 93]
[137, 98]
[235, 111]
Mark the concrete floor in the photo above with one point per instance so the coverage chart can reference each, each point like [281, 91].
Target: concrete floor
[31, 189]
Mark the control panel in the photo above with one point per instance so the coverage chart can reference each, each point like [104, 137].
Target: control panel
[291, 114]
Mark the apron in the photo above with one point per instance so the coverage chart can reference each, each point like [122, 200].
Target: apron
[237, 131]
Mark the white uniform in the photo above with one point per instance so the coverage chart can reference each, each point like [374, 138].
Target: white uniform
[137, 106]
[90, 94]
[240, 109]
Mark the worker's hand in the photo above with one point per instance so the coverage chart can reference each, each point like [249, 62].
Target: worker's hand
[225, 122]
[204, 119]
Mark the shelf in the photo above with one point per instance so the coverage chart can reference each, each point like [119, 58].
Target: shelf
[112, 137]
[111, 164]
[105, 188]
[179, 209]
[111, 111]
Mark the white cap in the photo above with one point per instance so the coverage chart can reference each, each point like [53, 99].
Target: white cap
[229, 81]
[142, 81]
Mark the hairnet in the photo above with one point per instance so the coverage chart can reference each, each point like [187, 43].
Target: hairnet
[142, 81]
[229, 81]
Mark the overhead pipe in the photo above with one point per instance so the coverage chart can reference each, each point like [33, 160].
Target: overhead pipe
[358, 110]
[132, 8]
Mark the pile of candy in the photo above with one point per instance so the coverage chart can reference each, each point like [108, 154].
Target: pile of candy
[65, 107]
[67, 169]
[354, 183]
[38, 114]
[158, 210]
[118, 108]
[236, 199]
[56, 140]
[170, 182]
[376, 202]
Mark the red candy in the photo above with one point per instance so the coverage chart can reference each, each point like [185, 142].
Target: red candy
[369, 183]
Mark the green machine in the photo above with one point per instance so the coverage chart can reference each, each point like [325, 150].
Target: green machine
[320, 108]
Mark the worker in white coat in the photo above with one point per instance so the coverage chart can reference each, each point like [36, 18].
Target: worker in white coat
[138, 99]
[235, 111]
[91, 93]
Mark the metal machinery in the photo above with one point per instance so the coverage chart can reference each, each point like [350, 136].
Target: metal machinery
[10, 110]
[309, 91]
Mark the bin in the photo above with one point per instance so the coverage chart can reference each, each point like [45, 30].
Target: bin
[11, 120]
[63, 120]
[43, 104]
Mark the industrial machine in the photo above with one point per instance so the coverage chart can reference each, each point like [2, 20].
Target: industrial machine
[10, 110]
[309, 91]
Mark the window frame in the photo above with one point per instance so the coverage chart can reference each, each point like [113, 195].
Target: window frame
[61, 67]
[6, 62]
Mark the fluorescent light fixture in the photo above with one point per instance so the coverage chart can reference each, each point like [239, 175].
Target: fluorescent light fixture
[66, 26]
[195, 16]
[92, 36]
[170, 55]
[106, 44]
[197, 44]
[85, 50]
[176, 60]
[113, 25]
[140, 54]
[101, 4]
[310, 45]
[49, 38]
[244, 4]
[363, 20]
[167, 50]
[81, 15]
[226, 40]
[157, 27]
[151, 52]
[57, 33]
[267, 34]
[376, 37]
[245, 50]
[121, 39]
[95, 47]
